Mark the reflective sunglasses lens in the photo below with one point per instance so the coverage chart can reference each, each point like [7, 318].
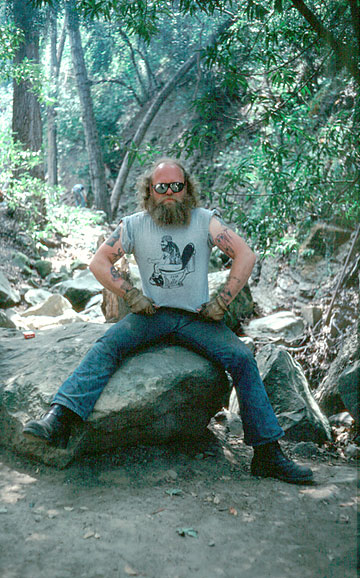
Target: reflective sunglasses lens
[161, 188]
[176, 187]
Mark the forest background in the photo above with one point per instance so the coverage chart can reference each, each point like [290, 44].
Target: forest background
[260, 98]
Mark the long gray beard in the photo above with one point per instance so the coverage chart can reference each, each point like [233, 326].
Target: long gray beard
[178, 213]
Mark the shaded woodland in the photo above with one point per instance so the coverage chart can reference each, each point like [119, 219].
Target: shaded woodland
[259, 98]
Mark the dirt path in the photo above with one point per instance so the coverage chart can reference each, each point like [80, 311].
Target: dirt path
[120, 515]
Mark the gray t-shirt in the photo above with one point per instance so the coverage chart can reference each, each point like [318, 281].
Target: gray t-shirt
[173, 261]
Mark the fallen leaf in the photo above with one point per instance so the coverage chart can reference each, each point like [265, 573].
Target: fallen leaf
[68, 508]
[216, 500]
[233, 511]
[89, 534]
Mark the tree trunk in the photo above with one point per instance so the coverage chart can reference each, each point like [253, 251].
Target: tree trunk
[96, 163]
[148, 118]
[26, 119]
[141, 131]
[51, 111]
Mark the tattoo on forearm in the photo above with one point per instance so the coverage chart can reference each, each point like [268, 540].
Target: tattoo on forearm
[224, 242]
[118, 276]
[116, 256]
[114, 237]
[115, 273]
[227, 293]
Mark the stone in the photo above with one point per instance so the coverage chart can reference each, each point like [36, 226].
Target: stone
[327, 394]
[43, 267]
[349, 384]
[53, 306]
[8, 296]
[311, 314]
[57, 277]
[160, 395]
[283, 324]
[36, 322]
[5, 321]
[79, 289]
[289, 393]
[241, 307]
[36, 296]
[78, 265]
[21, 260]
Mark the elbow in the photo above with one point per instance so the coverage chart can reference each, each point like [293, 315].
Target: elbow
[252, 258]
[94, 266]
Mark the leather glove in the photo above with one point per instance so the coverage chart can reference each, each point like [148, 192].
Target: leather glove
[138, 303]
[215, 309]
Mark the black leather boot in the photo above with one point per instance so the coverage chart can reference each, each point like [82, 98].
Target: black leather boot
[53, 428]
[269, 461]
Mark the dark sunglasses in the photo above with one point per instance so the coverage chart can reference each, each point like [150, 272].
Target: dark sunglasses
[161, 188]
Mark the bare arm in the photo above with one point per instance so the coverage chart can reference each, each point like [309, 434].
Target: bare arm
[243, 258]
[102, 264]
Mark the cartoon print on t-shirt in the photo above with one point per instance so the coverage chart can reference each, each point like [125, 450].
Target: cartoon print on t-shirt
[172, 268]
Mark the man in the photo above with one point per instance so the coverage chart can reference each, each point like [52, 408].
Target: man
[179, 307]
[79, 195]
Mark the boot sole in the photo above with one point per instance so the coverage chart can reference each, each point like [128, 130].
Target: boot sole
[35, 438]
[303, 480]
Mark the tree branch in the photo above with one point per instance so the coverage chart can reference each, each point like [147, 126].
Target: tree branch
[342, 51]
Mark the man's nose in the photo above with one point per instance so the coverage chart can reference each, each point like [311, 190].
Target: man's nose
[169, 191]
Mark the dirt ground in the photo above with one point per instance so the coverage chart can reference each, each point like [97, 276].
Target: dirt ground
[175, 512]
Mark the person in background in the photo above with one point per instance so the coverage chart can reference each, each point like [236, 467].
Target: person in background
[78, 191]
[173, 303]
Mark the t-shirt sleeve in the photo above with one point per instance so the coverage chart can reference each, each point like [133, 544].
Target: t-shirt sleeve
[214, 213]
[127, 235]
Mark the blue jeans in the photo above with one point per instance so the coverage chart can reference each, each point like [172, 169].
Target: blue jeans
[212, 339]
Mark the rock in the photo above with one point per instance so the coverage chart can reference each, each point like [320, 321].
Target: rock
[305, 450]
[327, 394]
[341, 419]
[321, 237]
[36, 296]
[80, 289]
[36, 322]
[54, 306]
[349, 383]
[290, 395]
[21, 260]
[57, 277]
[78, 265]
[161, 394]
[283, 324]
[5, 321]
[311, 314]
[352, 451]
[43, 267]
[241, 307]
[8, 296]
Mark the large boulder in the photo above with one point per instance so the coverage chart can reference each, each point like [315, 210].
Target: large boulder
[327, 394]
[79, 289]
[242, 306]
[159, 395]
[282, 325]
[349, 389]
[297, 411]
[8, 296]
